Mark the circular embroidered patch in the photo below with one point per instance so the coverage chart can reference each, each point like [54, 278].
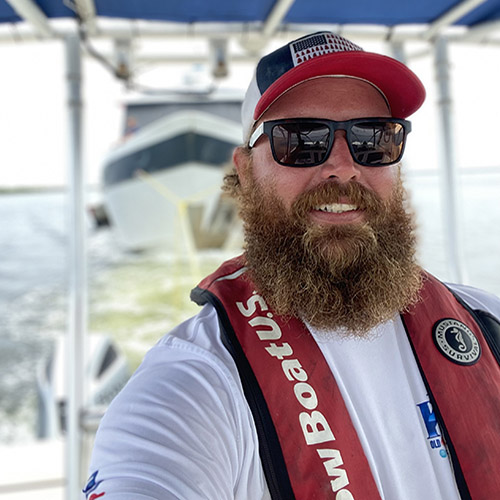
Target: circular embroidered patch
[456, 341]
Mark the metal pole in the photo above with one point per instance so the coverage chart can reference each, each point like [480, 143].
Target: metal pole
[453, 242]
[398, 51]
[77, 273]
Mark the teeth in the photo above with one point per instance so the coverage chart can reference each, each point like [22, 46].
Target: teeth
[336, 208]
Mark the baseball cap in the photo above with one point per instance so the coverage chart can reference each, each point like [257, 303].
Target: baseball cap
[327, 54]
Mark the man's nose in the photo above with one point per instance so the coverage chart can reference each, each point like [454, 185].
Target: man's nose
[340, 164]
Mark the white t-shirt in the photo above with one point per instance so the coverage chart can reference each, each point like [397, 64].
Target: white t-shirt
[182, 429]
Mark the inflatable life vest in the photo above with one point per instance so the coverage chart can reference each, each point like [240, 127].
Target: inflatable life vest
[300, 455]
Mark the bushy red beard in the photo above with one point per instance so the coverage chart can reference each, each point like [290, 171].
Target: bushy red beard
[346, 278]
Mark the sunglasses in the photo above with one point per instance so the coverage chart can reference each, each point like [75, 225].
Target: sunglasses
[308, 142]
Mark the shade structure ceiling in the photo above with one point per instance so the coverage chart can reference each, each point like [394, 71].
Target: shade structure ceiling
[382, 12]
[261, 17]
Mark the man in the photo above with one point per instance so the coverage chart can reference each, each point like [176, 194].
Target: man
[325, 363]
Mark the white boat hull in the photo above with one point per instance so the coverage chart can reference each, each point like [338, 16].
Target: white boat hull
[151, 210]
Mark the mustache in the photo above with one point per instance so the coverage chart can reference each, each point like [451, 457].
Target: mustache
[332, 192]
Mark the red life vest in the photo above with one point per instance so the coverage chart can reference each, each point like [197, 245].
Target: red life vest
[309, 446]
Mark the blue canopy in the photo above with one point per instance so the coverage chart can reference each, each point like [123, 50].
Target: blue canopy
[383, 12]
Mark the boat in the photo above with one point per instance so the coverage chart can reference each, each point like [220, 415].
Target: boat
[161, 184]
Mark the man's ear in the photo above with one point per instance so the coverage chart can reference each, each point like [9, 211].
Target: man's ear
[241, 160]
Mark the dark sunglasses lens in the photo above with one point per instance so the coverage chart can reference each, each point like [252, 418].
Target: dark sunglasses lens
[376, 143]
[303, 144]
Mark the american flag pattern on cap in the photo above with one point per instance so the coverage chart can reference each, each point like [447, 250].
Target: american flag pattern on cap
[319, 44]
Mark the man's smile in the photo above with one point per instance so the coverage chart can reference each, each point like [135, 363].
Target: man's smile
[337, 213]
[342, 211]
[336, 208]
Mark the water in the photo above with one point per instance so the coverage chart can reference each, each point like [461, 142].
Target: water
[31, 278]
[136, 298]
[33, 298]
[479, 217]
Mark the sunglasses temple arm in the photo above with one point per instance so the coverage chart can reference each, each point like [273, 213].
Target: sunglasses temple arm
[256, 135]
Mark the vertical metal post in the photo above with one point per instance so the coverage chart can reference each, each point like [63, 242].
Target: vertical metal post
[398, 51]
[77, 272]
[453, 241]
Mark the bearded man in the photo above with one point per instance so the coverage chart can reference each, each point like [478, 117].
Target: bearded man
[325, 362]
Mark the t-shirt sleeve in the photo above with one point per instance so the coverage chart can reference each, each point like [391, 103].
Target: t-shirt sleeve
[478, 299]
[175, 431]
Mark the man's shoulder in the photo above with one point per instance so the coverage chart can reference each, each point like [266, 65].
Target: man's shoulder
[198, 337]
[186, 360]
[477, 298]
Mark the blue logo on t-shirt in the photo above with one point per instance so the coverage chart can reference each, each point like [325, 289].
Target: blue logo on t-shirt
[429, 419]
[431, 424]
[92, 484]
